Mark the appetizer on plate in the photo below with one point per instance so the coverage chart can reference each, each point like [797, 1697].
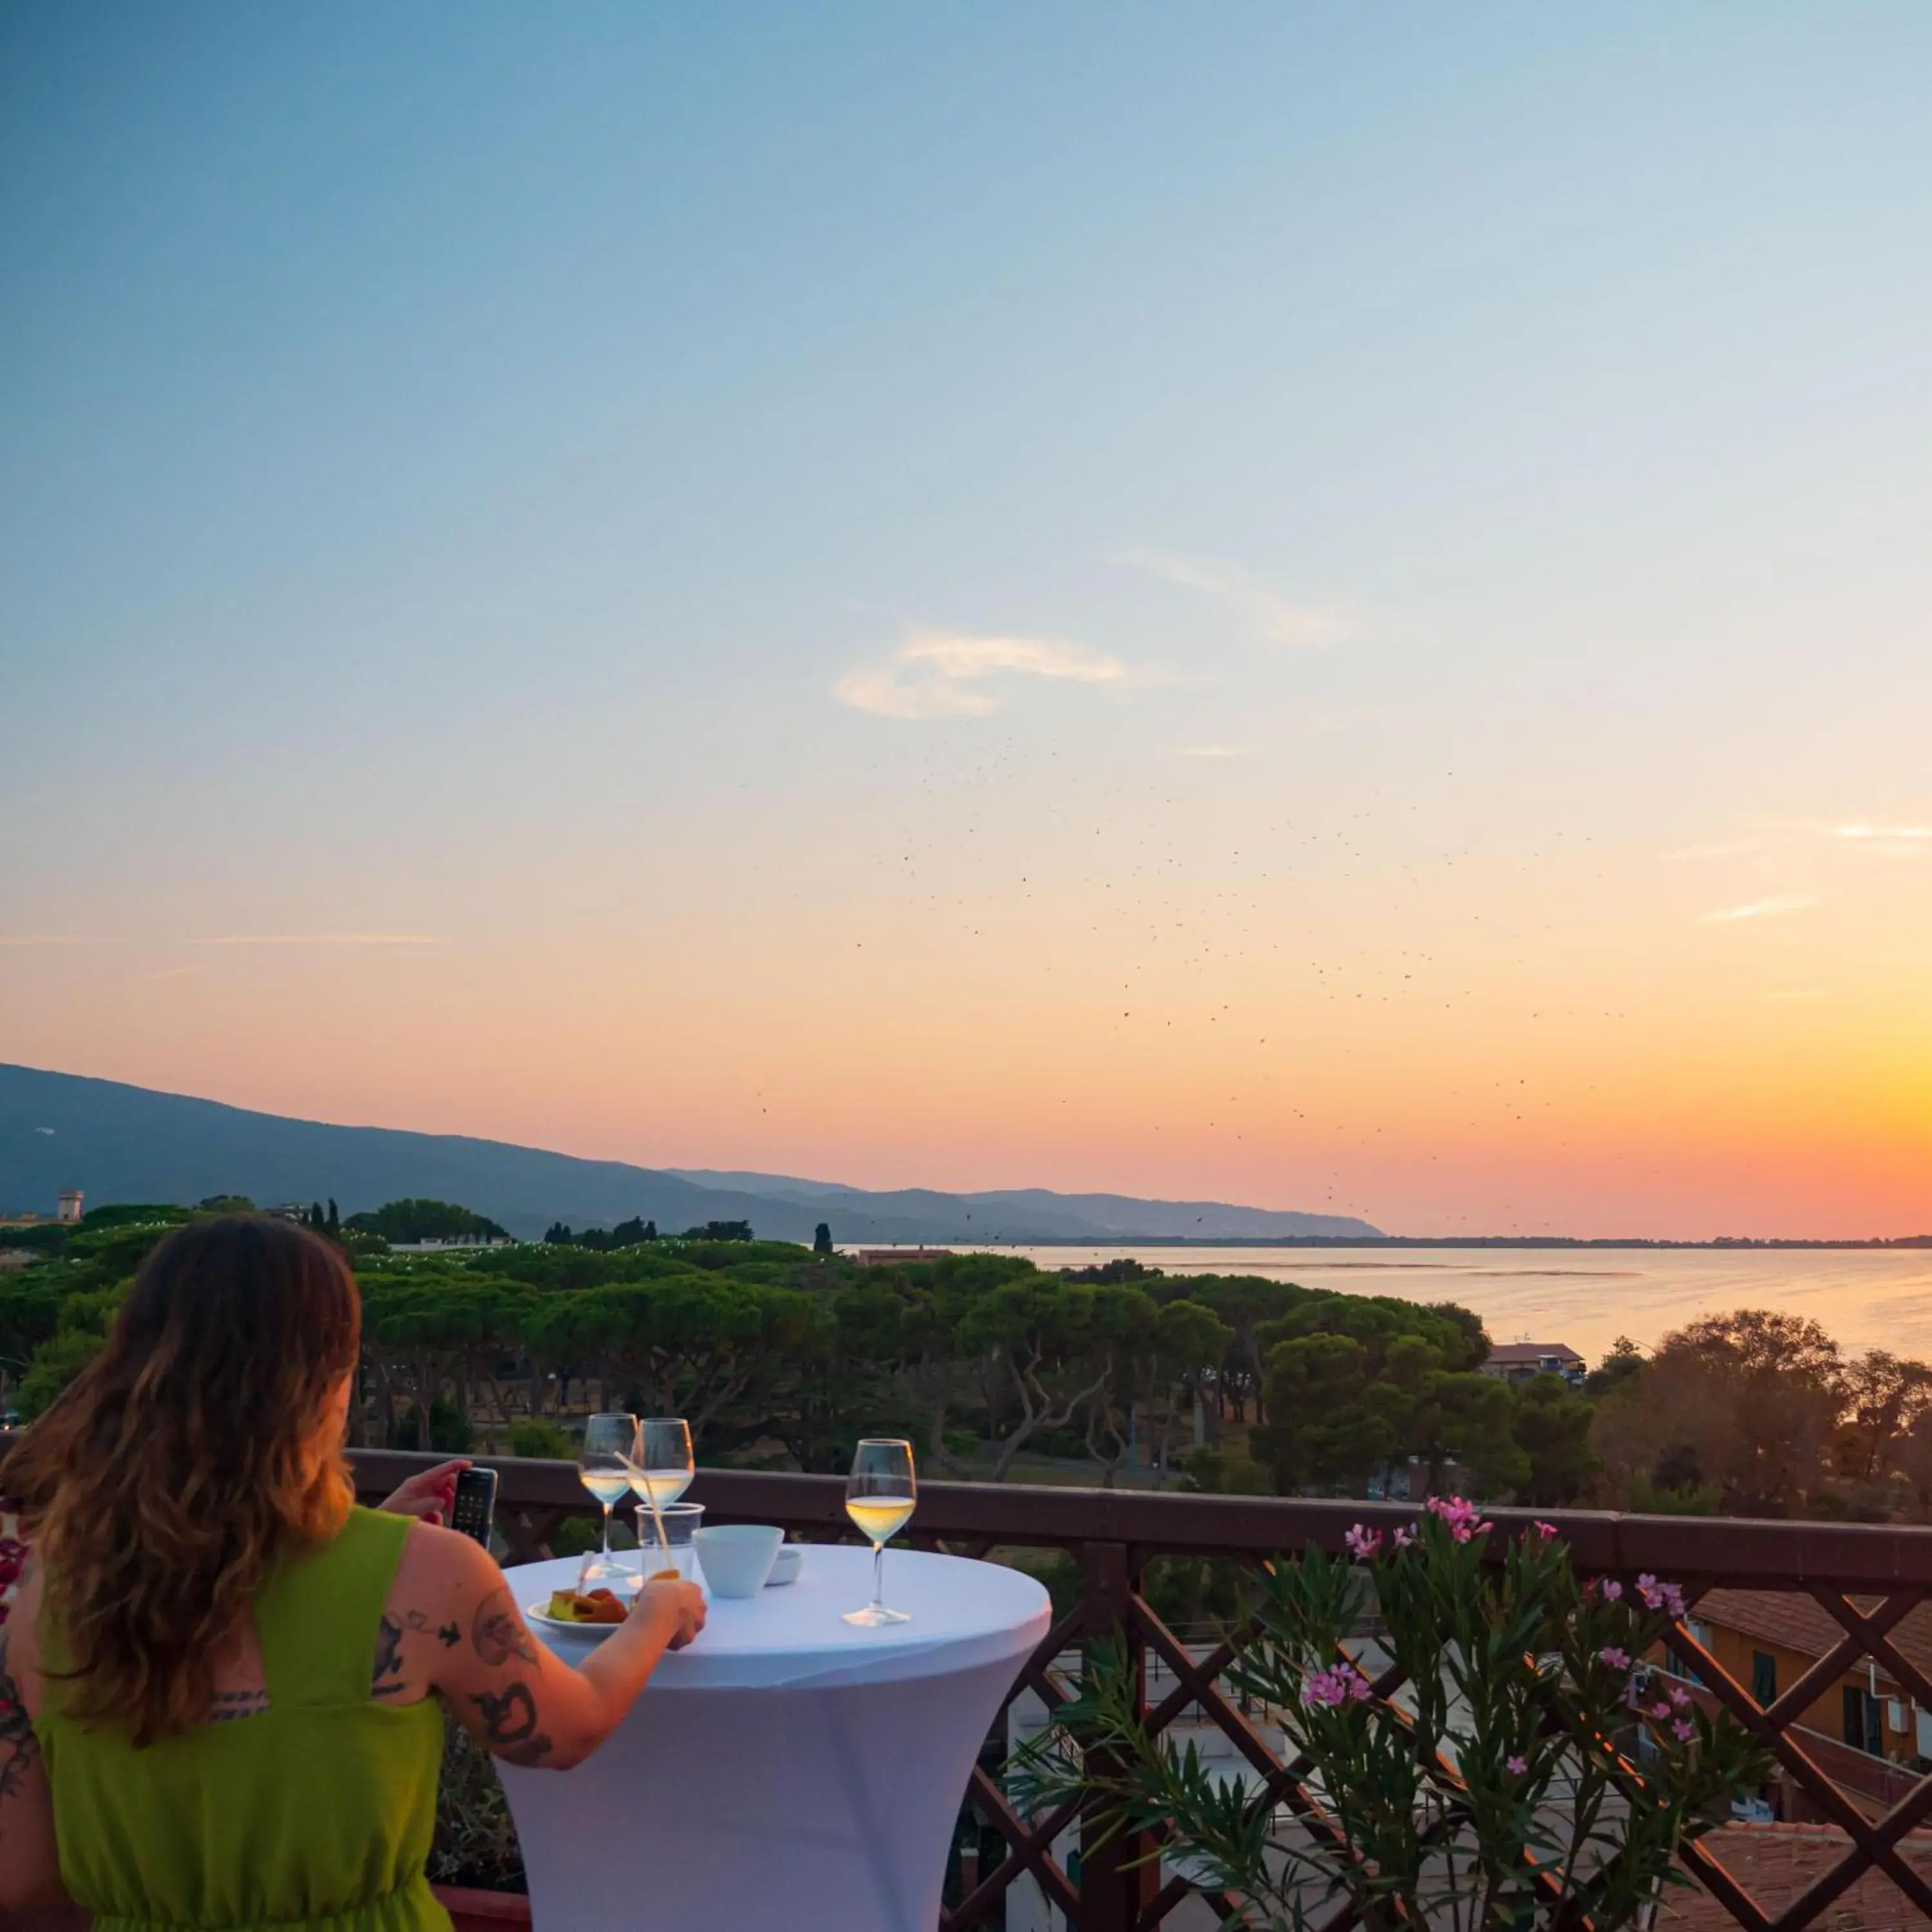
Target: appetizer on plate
[590, 1606]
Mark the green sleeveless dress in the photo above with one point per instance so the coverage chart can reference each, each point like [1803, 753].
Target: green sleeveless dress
[312, 1816]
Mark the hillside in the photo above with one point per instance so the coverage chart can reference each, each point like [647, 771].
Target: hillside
[121, 1143]
[1050, 1216]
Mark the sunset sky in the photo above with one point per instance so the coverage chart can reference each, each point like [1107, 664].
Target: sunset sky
[1325, 608]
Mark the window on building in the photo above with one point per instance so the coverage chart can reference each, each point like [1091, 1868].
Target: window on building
[1764, 1678]
[1862, 1720]
[1679, 1665]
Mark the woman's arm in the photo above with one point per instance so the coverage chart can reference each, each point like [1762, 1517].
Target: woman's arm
[29, 1858]
[516, 1698]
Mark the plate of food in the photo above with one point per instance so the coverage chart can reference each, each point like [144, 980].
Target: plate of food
[585, 1612]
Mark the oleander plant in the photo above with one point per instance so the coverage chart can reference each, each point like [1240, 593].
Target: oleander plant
[1479, 1745]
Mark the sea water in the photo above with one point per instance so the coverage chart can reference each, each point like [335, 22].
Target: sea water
[1585, 1297]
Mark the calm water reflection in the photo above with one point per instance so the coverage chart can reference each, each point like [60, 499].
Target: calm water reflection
[1868, 1298]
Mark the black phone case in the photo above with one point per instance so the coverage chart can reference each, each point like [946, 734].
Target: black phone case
[474, 1507]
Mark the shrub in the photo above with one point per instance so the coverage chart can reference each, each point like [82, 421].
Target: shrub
[1226, 1473]
[475, 1843]
[449, 1430]
[1497, 1793]
[529, 1437]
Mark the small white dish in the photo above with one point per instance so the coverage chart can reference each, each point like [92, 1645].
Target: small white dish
[737, 1557]
[786, 1565]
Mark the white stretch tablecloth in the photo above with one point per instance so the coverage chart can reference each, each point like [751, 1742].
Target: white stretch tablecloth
[787, 1770]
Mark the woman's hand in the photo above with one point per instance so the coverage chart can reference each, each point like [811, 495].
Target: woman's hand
[430, 1494]
[679, 1606]
[461, 1630]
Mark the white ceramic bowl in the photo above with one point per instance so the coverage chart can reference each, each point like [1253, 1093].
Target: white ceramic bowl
[737, 1557]
[790, 1561]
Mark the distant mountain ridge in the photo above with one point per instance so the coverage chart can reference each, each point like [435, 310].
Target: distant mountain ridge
[1070, 1216]
[120, 1143]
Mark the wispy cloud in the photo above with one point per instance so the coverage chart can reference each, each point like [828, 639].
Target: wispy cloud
[1887, 842]
[323, 939]
[1215, 751]
[954, 674]
[1720, 848]
[1781, 902]
[1282, 620]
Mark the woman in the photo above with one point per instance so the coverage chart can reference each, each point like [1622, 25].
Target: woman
[220, 1684]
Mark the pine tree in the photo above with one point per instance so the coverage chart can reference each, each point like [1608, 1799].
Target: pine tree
[315, 1220]
[335, 1219]
[821, 1240]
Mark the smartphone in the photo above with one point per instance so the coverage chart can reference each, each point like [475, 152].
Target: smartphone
[475, 1505]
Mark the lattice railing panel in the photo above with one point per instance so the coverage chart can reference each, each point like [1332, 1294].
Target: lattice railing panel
[1866, 1580]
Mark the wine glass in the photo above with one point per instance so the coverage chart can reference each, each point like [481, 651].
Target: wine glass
[880, 1494]
[660, 1470]
[603, 1467]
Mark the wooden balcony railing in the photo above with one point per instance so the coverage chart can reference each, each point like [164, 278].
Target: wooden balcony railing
[1867, 1579]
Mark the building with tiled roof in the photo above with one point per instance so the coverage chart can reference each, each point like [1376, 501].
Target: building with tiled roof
[1768, 1639]
[1518, 1361]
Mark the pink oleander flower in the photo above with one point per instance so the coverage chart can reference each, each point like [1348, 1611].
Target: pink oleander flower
[1516, 1766]
[1679, 1696]
[1463, 1518]
[1660, 1710]
[1363, 1544]
[1340, 1684]
[1613, 1589]
[1659, 1596]
[1685, 1731]
[1404, 1537]
[1616, 1657]
[1545, 1530]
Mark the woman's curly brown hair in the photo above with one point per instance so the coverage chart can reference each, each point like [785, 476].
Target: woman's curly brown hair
[185, 1460]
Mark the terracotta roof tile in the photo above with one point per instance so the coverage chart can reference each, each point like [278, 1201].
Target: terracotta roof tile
[1802, 1624]
[1775, 1863]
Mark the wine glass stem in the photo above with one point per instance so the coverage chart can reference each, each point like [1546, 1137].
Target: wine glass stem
[606, 1533]
[878, 1576]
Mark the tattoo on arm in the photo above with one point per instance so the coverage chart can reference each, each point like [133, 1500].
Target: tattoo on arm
[448, 1635]
[498, 1632]
[19, 1746]
[387, 1677]
[510, 1724]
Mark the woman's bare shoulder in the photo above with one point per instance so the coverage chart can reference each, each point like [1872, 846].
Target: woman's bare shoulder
[442, 1572]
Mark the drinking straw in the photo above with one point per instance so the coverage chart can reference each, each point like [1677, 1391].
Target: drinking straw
[657, 1514]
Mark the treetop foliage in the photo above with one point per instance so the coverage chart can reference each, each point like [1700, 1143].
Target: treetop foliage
[411, 1221]
[784, 1354]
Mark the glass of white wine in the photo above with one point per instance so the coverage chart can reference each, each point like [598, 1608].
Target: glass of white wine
[661, 1470]
[880, 1494]
[603, 1467]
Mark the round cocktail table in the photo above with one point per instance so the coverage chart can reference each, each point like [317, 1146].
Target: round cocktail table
[786, 1769]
